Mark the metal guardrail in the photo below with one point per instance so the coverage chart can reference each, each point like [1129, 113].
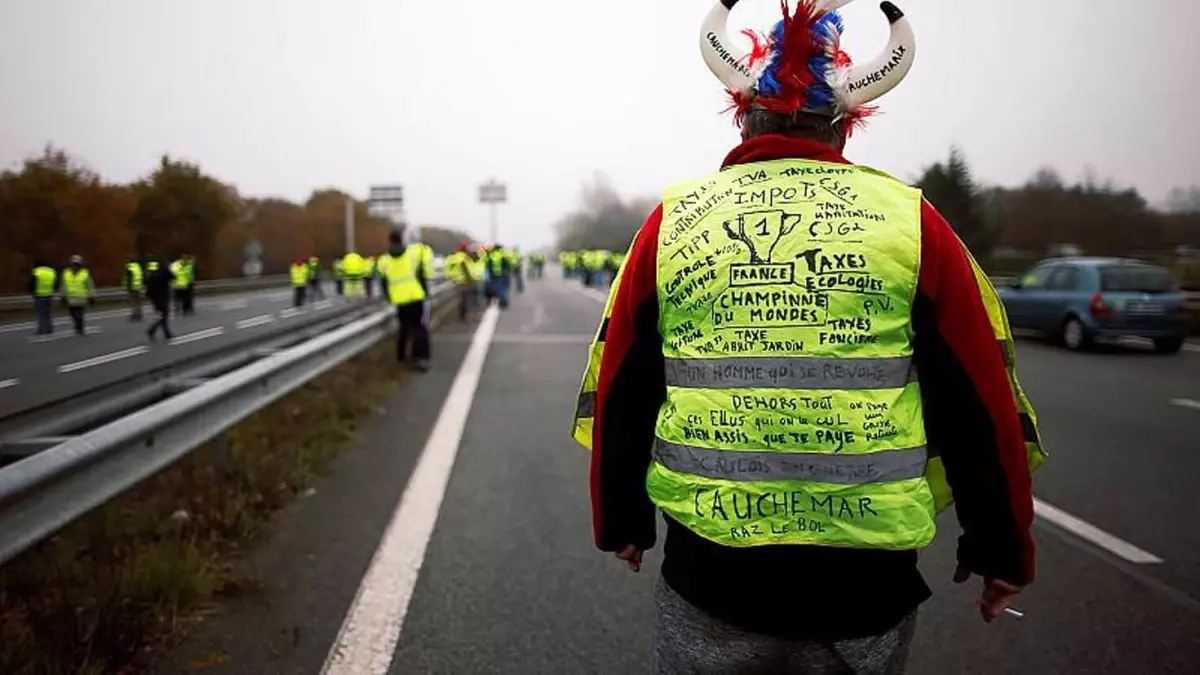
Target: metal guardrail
[47, 491]
[10, 302]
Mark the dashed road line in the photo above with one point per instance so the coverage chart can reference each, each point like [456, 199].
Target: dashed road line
[260, 320]
[369, 634]
[12, 382]
[1186, 403]
[101, 360]
[234, 304]
[291, 312]
[196, 337]
[1085, 530]
[322, 304]
[63, 335]
[1190, 347]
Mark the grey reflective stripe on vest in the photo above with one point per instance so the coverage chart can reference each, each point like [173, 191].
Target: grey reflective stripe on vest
[586, 407]
[790, 373]
[749, 466]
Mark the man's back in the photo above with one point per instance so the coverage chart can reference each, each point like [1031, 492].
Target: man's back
[966, 411]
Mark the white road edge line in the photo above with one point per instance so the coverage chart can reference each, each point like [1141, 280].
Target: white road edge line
[101, 360]
[255, 321]
[369, 634]
[196, 337]
[5, 384]
[1186, 403]
[1087, 531]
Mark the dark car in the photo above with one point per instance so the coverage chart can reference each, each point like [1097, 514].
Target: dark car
[1080, 300]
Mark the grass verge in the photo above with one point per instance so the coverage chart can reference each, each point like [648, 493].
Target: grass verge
[114, 589]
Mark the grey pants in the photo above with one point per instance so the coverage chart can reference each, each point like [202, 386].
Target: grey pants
[692, 642]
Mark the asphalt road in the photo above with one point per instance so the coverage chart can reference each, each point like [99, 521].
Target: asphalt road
[510, 582]
[36, 370]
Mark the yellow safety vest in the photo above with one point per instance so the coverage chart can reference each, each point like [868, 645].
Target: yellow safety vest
[44, 280]
[458, 267]
[181, 275]
[403, 287]
[585, 406]
[75, 284]
[478, 267]
[135, 276]
[299, 274]
[756, 444]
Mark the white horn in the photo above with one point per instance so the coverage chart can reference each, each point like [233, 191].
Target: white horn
[869, 81]
[728, 63]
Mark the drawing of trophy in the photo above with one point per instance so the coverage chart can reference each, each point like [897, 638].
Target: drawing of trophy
[761, 231]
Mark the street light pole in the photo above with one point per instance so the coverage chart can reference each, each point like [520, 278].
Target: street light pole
[349, 224]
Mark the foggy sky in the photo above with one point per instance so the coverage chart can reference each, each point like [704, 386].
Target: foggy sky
[283, 96]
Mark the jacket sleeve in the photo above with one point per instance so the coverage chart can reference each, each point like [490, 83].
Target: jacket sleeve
[631, 388]
[971, 418]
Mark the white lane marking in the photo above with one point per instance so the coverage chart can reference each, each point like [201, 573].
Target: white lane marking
[101, 360]
[5, 384]
[196, 337]
[15, 327]
[1191, 347]
[1186, 403]
[234, 304]
[369, 634]
[323, 304]
[1093, 534]
[290, 312]
[63, 335]
[255, 321]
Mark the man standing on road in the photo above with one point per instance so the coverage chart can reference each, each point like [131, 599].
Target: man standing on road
[189, 297]
[313, 274]
[179, 284]
[159, 280]
[756, 379]
[299, 274]
[134, 287]
[43, 280]
[78, 292]
[499, 270]
[407, 288]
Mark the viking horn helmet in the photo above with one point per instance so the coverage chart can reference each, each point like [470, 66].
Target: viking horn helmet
[863, 83]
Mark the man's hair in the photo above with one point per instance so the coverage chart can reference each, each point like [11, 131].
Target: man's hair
[810, 126]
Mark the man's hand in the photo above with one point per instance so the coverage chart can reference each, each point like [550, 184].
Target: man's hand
[997, 595]
[631, 555]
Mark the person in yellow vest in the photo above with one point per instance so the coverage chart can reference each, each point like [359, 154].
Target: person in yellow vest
[804, 398]
[353, 268]
[180, 284]
[315, 291]
[299, 272]
[499, 271]
[78, 291]
[135, 286]
[371, 270]
[407, 288]
[516, 261]
[339, 275]
[459, 272]
[569, 261]
[43, 281]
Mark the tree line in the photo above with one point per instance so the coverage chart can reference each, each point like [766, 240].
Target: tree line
[53, 206]
[1005, 228]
